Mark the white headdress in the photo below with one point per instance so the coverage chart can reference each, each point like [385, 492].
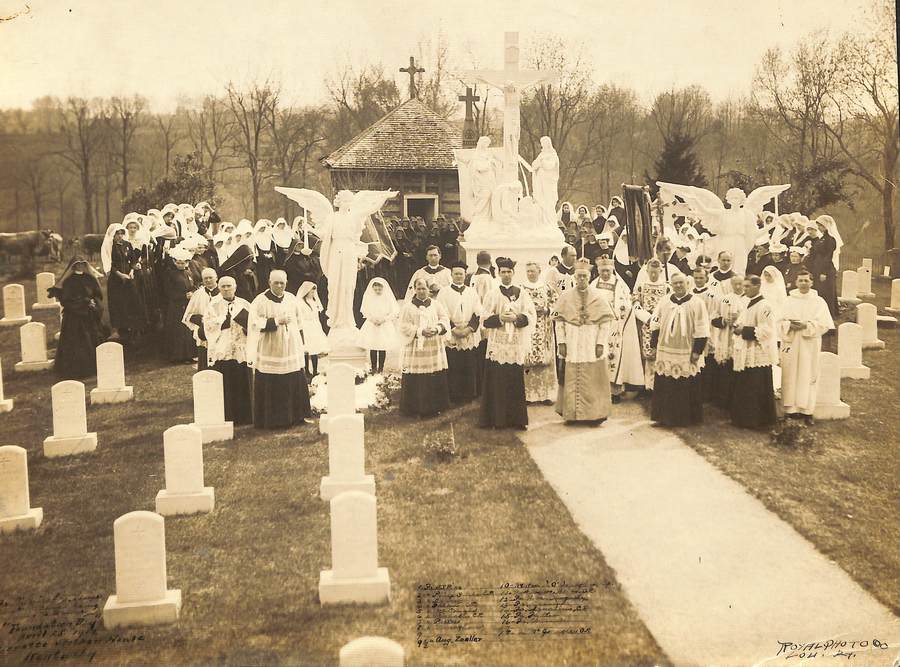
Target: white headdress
[381, 306]
[106, 246]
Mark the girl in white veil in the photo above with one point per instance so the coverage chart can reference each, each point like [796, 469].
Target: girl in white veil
[378, 333]
[774, 292]
[831, 226]
[314, 339]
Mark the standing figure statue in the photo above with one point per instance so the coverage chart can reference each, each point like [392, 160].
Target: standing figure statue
[545, 180]
[734, 228]
[483, 168]
[341, 247]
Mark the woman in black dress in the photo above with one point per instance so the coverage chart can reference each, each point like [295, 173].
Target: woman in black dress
[127, 313]
[81, 331]
[820, 262]
[177, 288]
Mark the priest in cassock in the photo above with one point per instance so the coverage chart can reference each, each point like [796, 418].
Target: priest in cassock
[646, 297]
[225, 325]
[193, 314]
[540, 364]
[275, 352]
[483, 280]
[680, 328]
[724, 314]
[804, 320]
[753, 395]
[432, 271]
[507, 317]
[423, 322]
[585, 319]
[720, 279]
[461, 341]
[626, 370]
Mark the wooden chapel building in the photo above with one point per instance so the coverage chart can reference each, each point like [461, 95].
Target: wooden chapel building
[409, 150]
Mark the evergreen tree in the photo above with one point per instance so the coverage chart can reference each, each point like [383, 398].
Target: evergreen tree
[188, 183]
[677, 164]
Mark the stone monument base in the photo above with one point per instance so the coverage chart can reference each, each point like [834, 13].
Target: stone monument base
[866, 295]
[520, 250]
[876, 344]
[886, 321]
[14, 321]
[33, 366]
[366, 590]
[344, 348]
[849, 301]
[157, 612]
[29, 521]
[78, 444]
[856, 372]
[6, 405]
[893, 311]
[172, 504]
[329, 487]
[45, 306]
[122, 395]
[215, 432]
[839, 410]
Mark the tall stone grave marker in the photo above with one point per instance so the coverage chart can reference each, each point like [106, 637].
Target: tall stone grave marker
[209, 407]
[867, 318]
[354, 575]
[895, 297]
[864, 283]
[867, 262]
[33, 341]
[850, 351]
[44, 281]
[341, 387]
[142, 596]
[346, 458]
[14, 306]
[16, 511]
[70, 434]
[828, 391]
[6, 404]
[184, 492]
[372, 652]
[849, 286]
[111, 376]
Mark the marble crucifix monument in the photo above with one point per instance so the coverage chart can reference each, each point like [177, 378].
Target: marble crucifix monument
[506, 217]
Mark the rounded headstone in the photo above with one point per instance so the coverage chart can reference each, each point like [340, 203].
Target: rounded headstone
[140, 545]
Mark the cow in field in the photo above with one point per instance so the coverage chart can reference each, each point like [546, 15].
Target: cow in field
[28, 246]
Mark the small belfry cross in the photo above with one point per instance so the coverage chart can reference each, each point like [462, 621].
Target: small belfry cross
[412, 70]
[469, 98]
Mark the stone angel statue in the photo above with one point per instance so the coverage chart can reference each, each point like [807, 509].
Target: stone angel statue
[734, 227]
[341, 249]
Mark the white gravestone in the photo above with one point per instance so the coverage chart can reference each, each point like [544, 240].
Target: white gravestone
[142, 596]
[70, 434]
[42, 282]
[16, 511]
[33, 341]
[850, 352]
[895, 297]
[849, 282]
[209, 407]
[864, 283]
[111, 376]
[372, 652]
[14, 306]
[184, 492]
[341, 387]
[346, 458]
[867, 318]
[6, 404]
[828, 392]
[867, 262]
[354, 575]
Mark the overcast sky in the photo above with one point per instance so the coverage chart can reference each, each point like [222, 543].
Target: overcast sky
[165, 49]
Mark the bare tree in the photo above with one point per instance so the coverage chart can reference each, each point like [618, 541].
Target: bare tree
[865, 119]
[359, 98]
[81, 123]
[126, 113]
[432, 86]
[251, 109]
[294, 133]
[211, 129]
[170, 134]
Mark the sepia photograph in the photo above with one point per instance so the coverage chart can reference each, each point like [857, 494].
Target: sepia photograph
[483, 333]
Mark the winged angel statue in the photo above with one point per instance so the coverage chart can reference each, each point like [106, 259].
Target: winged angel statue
[734, 227]
[340, 232]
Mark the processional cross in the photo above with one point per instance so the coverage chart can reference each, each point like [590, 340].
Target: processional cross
[412, 70]
[470, 135]
[512, 81]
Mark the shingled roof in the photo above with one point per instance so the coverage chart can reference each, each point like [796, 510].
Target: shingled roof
[411, 137]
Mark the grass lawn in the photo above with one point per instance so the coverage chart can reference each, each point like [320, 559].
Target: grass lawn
[249, 570]
[842, 491]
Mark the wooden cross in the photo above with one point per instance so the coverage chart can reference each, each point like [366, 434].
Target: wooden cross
[469, 98]
[412, 70]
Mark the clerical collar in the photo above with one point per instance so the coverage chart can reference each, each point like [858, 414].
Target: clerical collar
[436, 269]
[568, 270]
[459, 288]
[700, 290]
[417, 302]
[481, 271]
[722, 275]
[272, 297]
[755, 300]
[213, 291]
[680, 300]
[509, 290]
